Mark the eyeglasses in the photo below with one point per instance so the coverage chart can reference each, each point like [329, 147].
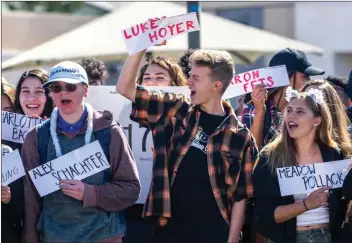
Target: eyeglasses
[56, 88]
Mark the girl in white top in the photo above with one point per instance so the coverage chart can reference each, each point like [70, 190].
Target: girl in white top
[305, 139]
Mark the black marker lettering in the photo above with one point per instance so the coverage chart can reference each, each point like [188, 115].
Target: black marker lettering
[57, 177]
[77, 169]
[92, 159]
[73, 171]
[99, 155]
[64, 171]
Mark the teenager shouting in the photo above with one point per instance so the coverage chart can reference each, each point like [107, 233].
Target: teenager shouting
[203, 155]
[87, 210]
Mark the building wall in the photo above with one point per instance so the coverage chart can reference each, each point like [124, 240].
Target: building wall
[275, 17]
[328, 25]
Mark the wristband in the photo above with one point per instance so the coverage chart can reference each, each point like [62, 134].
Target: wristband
[304, 203]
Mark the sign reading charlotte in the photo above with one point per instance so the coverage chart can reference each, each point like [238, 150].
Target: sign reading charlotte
[308, 178]
[76, 165]
[15, 126]
[12, 168]
[156, 30]
[270, 77]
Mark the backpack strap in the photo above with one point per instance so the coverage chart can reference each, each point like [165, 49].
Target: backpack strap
[104, 136]
[43, 140]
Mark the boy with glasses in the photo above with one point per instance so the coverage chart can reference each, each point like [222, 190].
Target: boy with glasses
[82, 211]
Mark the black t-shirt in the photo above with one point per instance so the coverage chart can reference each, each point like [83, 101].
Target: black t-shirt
[191, 194]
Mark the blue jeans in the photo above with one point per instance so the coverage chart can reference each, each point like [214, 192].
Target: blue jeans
[321, 235]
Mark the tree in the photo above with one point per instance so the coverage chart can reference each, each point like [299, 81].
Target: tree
[50, 6]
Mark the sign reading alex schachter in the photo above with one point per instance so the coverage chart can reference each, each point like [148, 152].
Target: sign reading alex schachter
[76, 165]
[12, 168]
[308, 178]
[15, 126]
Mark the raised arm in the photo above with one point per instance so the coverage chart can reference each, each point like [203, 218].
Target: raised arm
[126, 84]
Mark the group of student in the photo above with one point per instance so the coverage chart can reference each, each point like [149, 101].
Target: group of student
[214, 170]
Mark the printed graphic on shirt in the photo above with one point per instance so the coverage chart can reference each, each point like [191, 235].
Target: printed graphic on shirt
[200, 140]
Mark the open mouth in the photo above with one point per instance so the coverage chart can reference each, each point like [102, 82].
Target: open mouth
[193, 92]
[292, 126]
[66, 101]
[32, 106]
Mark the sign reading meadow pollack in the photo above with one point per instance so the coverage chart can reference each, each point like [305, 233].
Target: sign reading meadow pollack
[76, 165]
[308, 178]
[12, 168]
[15, 126]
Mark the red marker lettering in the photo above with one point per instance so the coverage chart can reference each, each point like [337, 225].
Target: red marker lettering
[153, 23]
[237, 79]
[247, 77]
[245, 87]
[255, 74]
[127, 36]
[179, 28]
[144, 27]
[162, 30]
[171, 28]
[135, 32]
[261, 80]
[271, 81]
[153, 37]
[189, 25]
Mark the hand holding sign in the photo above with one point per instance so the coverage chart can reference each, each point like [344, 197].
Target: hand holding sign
[259, 96]
[5, 194]
[270, 77]
[73, 188]
[317, 198]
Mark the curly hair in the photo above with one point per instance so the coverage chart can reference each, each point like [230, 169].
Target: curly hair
[96, 71]
[178, 78]
[184, 61]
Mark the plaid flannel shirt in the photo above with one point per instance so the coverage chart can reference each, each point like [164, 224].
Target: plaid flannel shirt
[276, 119]
[174, 122]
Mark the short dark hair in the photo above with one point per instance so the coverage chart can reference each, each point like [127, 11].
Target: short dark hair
[96, 71]
[184, 61]
[43, 76]
[338, 81]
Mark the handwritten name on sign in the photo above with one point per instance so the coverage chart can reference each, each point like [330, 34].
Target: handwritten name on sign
[76, 165]
[271, 77]
[308, 178]
[15, 126]
[12, 168]
[156, 30]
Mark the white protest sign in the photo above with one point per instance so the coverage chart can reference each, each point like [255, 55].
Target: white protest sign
[76, 165]
[12, 168]
[308, 178]
[15, 126]
[154, 31]
[244, 83]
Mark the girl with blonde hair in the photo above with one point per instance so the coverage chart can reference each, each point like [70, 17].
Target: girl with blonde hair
[305, 138]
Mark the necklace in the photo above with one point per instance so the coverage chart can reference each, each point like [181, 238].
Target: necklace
[53, 127]
[310, 157]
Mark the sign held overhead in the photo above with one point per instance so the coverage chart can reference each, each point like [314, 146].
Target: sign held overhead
[156, 30]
